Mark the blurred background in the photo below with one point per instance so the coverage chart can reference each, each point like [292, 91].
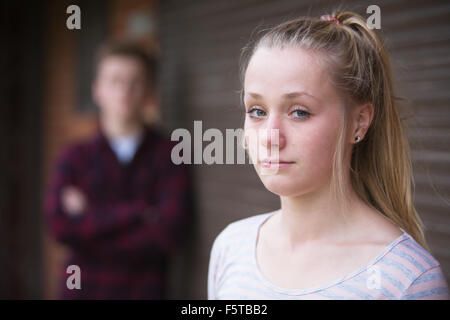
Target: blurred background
[45, 103]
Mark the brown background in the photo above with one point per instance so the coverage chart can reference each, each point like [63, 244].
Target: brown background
[200, 43]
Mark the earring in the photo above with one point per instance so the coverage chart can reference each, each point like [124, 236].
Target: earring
[357, 138]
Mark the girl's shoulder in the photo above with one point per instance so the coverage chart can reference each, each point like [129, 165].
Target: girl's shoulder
[406, 251]
[411, 268]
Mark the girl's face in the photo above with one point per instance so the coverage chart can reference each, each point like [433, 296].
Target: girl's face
[289, 93]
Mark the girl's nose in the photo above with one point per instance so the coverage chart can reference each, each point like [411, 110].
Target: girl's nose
[272, 135]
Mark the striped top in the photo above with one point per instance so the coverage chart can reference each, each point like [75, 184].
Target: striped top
[403, 270]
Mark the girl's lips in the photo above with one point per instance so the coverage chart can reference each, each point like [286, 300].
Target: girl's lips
[280, 164]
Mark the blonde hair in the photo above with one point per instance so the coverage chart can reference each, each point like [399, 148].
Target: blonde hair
[380, 166]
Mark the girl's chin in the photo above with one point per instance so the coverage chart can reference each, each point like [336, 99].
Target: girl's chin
[282, 187]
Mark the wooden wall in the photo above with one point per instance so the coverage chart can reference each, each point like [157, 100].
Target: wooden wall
[201, 42]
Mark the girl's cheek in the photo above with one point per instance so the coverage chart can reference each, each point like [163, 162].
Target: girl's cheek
[317, 144]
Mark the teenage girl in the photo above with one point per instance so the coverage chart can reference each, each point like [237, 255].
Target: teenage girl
[347, 227]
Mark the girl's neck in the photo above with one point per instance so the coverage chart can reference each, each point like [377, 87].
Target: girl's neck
[316, 218]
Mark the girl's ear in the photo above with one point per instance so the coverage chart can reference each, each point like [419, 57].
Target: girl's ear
[362, 118]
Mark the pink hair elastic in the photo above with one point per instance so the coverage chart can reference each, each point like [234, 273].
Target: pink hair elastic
[330, 18]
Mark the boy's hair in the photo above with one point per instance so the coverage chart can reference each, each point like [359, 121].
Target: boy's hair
[130, 50]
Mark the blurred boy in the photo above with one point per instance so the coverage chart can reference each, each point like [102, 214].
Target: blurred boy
[117, 200]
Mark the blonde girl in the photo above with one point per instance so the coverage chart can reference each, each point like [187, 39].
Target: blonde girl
[347, 227]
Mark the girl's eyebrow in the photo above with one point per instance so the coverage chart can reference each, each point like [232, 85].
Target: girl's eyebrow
[289, 95]
[292, 95]
[253, 95]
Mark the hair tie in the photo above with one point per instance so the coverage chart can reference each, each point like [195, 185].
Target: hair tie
[329, 17]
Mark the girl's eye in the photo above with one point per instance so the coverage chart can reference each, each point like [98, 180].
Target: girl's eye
[256, 113]
[301, 114]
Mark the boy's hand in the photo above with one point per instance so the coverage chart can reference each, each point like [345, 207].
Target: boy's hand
[73, 201]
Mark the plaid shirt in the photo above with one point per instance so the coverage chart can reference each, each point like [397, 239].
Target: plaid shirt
[134, 220]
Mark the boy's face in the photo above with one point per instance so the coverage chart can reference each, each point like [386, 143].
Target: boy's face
[121, 87]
